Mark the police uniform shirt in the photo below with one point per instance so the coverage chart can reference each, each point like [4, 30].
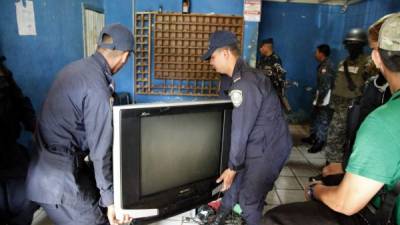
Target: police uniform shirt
[76, 118]
[325, 79]
[258, 124]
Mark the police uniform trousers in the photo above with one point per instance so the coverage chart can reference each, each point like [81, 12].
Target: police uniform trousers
[15, 208]
[251, 185]
[63, 172]
[84, 213]
[322, 117]
[337, 129]
[313, 213]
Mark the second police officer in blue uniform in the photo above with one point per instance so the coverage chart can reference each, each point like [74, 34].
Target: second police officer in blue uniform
[75, 122]
[260, 138]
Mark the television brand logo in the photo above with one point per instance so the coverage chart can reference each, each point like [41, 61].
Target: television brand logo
[184, 191]
[145, 114]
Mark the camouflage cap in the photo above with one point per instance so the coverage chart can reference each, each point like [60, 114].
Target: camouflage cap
[389, 34]
[373, 30]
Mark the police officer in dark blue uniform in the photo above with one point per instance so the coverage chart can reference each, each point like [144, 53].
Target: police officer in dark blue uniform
[16, 111]
[260, 139]
[76, 122]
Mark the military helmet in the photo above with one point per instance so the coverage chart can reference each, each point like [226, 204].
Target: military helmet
[356, 35]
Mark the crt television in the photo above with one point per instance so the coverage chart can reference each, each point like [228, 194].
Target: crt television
[167, 156]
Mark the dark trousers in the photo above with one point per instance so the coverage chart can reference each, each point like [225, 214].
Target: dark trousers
[250, 188]
[313, 213]
[15, 208]
[83, 213]
[322, 116]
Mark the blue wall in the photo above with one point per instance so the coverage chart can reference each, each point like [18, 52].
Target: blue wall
[35, 60]
[298, 28]
[121, 13]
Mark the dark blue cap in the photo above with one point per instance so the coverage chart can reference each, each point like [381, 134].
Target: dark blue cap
[122, 38]
[219, 39]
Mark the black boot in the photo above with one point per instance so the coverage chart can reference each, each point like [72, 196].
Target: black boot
[220, 217]
[309, 140]
[317, 147]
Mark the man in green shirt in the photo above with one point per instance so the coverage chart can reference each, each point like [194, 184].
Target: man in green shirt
[375, 161]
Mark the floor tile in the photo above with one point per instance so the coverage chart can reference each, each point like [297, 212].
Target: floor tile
[303, 181]
[268, 207]
[303, 170]
[288, 183]
[289, 196]
[286, 171]
[317, 163]
[272, 198]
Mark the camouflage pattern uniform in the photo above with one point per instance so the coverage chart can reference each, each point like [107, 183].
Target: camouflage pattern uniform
[359, 70]
[322, 113]
[272, 67]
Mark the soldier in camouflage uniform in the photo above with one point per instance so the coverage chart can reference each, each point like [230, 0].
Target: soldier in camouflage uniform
[351, 76]
[271, 64]
[322, 112]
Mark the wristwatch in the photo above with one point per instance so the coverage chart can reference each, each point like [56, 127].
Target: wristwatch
[310, 191]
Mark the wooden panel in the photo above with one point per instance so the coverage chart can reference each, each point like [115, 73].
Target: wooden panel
[171, 45]
[181, 39]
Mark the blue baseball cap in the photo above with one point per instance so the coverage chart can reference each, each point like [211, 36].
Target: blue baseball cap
[122, 38]
[219, 39]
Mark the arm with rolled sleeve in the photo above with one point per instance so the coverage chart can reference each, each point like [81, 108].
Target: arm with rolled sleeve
[243, 120]
[98, 123]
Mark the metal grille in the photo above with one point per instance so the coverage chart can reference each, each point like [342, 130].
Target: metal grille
[179, 41]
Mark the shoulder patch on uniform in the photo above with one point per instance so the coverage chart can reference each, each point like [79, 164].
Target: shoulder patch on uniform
[236, 97]
[236, 80]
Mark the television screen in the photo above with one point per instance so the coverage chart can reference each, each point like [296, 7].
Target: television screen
[166, 157]
[166, 164]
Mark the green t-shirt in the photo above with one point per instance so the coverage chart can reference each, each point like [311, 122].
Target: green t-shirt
[376, 152]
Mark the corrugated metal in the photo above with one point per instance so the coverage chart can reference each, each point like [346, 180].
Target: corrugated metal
[93, 23]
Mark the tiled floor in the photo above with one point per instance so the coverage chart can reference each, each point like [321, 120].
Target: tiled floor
[290, 185]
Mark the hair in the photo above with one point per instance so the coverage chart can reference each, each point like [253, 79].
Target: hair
[373, 31]
[232, 48]
[391, 59]
[267, 41]
[324, 49]
[107, 39]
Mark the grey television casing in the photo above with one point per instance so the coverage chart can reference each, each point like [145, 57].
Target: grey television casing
[134, 194]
